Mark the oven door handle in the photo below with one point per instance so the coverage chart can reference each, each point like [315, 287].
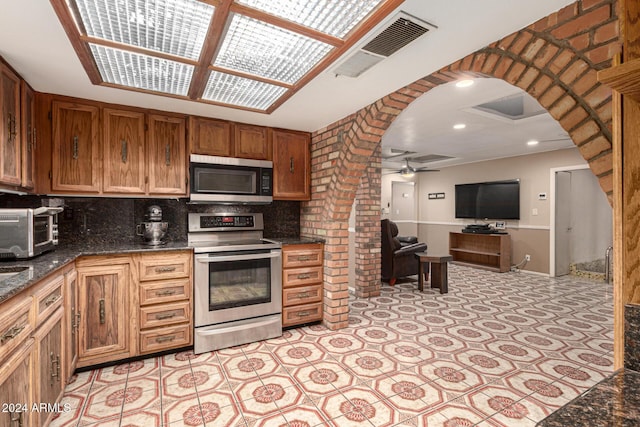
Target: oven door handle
[206, 259]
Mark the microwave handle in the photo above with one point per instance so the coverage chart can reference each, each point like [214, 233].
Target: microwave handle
[206, 259]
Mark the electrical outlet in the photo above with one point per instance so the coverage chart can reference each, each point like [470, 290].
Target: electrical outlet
[527, 257]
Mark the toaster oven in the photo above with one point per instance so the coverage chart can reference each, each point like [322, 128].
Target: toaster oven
[28, 232]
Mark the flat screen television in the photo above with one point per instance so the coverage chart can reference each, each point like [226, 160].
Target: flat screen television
[488, 200]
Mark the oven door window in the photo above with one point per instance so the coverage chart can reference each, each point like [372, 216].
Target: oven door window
[225, 180]
[41, 234]
[239, 283]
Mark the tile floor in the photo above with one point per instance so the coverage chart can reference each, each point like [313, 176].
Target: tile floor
[497, 350]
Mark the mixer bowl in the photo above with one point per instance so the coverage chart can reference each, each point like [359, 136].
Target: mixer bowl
[152, 232]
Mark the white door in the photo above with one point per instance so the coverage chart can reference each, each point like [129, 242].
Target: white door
[563, 222]
[403, 207]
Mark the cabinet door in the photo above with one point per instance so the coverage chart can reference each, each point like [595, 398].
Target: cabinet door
[10, 144]
[28, 136]
[14, 383]
[167, 156]
[71, 321]
[103, 331]
[76, 148]
[123, 152]
[48, 368]
[210, 137]
[252, 142]
[291, 165]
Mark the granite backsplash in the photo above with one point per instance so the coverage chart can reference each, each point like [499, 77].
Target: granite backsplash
[112, 220]
[632, 337]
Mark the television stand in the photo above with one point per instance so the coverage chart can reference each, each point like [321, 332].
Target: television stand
[487, 251]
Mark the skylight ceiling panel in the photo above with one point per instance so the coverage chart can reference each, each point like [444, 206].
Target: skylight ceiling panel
[176, 27]
[240, 91]
[331, 17]
[138, 71]
[255, 47]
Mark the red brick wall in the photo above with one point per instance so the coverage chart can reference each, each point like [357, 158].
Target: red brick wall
[555, 60]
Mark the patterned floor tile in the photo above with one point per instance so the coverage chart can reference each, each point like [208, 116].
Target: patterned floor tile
[497, 350]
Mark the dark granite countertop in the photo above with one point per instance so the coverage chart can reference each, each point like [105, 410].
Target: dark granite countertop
[297, 240]
[45, 264]
[614, 401]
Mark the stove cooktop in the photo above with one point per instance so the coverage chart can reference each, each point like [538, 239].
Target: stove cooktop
[234, 245]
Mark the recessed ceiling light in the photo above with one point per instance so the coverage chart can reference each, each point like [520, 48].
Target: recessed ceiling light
[533, 142]
[464, 83]
[459, 126]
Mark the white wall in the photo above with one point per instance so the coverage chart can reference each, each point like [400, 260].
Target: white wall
[591, 216]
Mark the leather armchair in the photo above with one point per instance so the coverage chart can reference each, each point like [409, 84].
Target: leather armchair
[398, 253]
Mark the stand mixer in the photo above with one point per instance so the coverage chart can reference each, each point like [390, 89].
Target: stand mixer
[153, 230]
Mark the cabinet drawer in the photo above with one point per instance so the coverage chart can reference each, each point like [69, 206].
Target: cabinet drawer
[301, 314]
[158, 267]
[301, 276]
[165, 291]
[48, 298]
[15, 325]
[164, 314]
[302, 255]
[160, 339]
[301, 295]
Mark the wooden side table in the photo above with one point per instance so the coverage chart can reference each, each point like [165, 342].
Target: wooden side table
[439, 271]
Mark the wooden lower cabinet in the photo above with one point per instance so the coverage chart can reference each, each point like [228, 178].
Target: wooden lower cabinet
[302, 283]
[71, 321]
[15, 384]
[105, 327]
[48, 367]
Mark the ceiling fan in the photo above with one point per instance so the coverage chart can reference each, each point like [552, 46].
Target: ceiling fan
[407, 171]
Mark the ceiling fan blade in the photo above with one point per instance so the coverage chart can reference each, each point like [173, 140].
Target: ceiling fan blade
[427, 170]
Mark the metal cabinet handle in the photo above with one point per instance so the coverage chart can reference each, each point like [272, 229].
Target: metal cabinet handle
[55, 366]
[124, 150]
[11, 333]
[102, 312]
[167, 269]
[291, 168]
[51, 300]
[303, 313]
[167, 154]
[75, 147]
[165, 316]
[304, 276]
[77, 323]
[33, 140]
[165, 293]
[165, 339]
[303, 295]
[304, 258]
[11, 127]
[16, 417]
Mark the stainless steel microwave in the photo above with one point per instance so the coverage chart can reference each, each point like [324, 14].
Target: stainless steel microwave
[26, 232]
[228, 180]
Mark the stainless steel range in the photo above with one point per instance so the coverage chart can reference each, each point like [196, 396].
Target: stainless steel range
[237, 280]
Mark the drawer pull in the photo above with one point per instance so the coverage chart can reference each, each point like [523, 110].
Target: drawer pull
[165, 339]
[167, 269]
[51, 300]
[304, 295]
[166, 293]
[303, 313]
[102, 312]
[55, 366]
[76, 325]
[11, 333]
[304, 276]
[304, 258]
[165, 316]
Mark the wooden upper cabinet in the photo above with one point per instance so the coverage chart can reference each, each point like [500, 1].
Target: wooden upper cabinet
[123, 152]
[10, 132]
[210, 137]
[291, 165]
[252, 142]
[76, 148]
[167, 156]
[28, 136]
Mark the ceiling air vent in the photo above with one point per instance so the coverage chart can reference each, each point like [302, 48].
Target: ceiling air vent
[401, 30]
[429, 158]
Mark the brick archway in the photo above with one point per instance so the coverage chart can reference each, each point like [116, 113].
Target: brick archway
[555, 60]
